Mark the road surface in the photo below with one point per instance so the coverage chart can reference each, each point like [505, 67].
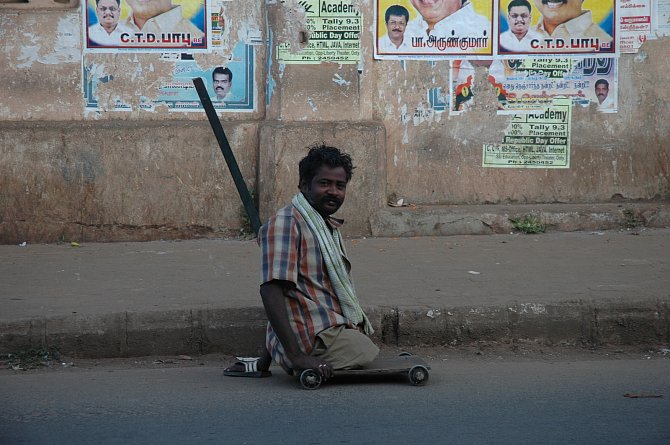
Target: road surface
[470, 399]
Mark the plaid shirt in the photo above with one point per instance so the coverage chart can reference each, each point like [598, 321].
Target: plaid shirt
[290, 252]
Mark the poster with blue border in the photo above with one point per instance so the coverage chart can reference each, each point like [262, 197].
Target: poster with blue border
[178, 93]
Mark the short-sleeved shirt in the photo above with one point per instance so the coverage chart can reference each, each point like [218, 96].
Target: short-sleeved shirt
[510, 43]
[99, 36]
[608, 104]
[386, 46]
[290, 252]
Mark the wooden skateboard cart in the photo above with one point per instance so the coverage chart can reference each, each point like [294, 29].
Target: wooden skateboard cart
[415, 367]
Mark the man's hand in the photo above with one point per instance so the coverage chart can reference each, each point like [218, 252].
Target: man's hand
[303, 362]
[272, 294]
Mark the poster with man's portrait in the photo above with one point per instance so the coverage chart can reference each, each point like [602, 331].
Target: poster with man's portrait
[533, 84]
[434, 29]
[231, 85]
[145, 25]
[557, 27]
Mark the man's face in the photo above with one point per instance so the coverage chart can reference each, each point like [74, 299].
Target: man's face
[222, 85]
[108, 13]
[433, 11]
[602, 91]
[149, 8]
[519, 20]
[327, 189]
[396, 27]
[556, 12]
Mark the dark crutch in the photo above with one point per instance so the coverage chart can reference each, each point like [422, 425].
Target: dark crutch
[220, 135]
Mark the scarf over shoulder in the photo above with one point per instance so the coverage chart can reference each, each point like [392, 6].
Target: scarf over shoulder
[330, 244]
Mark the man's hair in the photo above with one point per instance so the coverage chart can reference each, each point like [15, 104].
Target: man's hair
[319, 155]
[514, 3]
[396, 10]
[118, 2]
[222, 70]
[602, 82]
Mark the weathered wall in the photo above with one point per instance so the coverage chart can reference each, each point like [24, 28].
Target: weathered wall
[120, 181]
[438, 159]
[71, 174]
[66, 173]
[622, 155]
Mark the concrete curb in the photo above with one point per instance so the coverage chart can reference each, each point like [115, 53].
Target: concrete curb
[586, 323]
[241, 331]
[492, 219]
[129, 334]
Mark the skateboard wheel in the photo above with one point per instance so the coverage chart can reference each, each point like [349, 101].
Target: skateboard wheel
[418, 375]
[310, 379]
[405, 354]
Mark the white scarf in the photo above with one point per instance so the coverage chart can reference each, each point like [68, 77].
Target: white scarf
[331, 249]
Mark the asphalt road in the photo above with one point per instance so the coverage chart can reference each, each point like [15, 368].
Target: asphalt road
[467, 401]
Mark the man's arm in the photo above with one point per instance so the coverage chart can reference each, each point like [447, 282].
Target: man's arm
[273, 297]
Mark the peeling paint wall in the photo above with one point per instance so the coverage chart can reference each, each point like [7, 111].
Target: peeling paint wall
[120, 182]
[433, 158]
[68, 173]
[41, 56]
[624, 155]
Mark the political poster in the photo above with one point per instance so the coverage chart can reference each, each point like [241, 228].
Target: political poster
[557, 27]
[462, 79]
[145, 25]
[217, 18]
[532, 84]
[462, 86]
[221, 27]
[436, 29]
[635, 24]
[230, 86]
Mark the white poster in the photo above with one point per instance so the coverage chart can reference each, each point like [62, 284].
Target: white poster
[635, 24]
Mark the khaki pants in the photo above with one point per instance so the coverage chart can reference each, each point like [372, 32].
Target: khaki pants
[345, 348]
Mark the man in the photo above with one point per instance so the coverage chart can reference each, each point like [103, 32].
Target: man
[315, 320]
[565, 19]
[396, 18]
[447, 18]
[222, 81]
[602, 92]
[107, 32]
[519, 35]
[160, 16]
